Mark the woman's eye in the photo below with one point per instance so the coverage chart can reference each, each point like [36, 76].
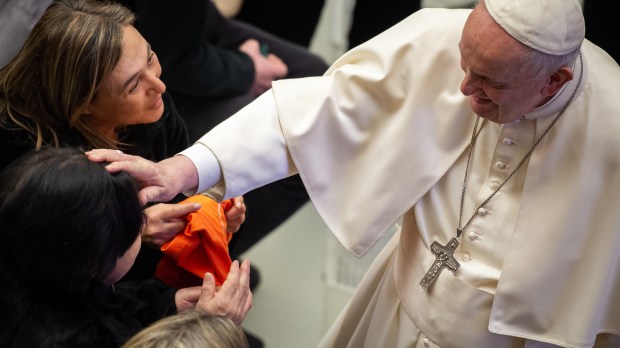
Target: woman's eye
[135, 86]
[150, 60]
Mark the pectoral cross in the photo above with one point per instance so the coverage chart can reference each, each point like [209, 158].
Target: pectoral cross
[443, 259]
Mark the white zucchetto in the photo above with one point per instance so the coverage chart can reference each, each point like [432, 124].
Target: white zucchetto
[552, 26]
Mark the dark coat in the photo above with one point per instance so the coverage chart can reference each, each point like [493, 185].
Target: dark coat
[195, 61]
[35, 316]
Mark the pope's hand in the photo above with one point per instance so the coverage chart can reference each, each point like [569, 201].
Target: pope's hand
[159, 182]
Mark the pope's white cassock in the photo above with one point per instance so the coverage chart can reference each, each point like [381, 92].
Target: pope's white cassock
[385, 133]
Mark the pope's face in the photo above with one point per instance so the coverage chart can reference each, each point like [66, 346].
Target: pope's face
[132, 94]
[500, 89]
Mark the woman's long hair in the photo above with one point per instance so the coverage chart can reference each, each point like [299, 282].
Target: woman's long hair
[69, 53]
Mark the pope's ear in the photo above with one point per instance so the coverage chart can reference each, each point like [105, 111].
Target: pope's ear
[556, 80]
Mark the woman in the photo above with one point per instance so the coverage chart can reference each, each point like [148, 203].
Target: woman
[86, 78]
[70, 231]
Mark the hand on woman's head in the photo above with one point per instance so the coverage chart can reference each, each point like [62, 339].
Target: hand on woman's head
[159, 182]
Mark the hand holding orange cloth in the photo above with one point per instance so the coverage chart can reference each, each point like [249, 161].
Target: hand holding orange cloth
[202, 247]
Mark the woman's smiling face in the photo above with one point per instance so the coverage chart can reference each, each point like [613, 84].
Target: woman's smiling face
[132, 94]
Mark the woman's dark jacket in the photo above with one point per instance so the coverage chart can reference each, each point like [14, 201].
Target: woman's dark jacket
[36, 316]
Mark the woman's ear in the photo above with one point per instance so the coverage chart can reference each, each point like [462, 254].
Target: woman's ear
[557, 80]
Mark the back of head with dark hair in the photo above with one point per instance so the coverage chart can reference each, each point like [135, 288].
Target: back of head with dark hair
[65, 220]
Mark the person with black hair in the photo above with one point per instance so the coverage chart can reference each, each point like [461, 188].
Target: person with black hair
[70, 231]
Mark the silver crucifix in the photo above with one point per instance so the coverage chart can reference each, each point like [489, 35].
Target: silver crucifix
[444, 258]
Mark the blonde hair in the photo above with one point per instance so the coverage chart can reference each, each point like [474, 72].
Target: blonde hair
[190, 329]
[69, 53]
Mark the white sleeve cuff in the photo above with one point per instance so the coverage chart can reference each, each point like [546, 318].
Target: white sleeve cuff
[209, 172]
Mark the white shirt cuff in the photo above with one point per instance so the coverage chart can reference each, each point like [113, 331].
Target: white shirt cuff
[207, 166]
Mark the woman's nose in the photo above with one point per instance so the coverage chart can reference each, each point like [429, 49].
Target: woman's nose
[157, 85]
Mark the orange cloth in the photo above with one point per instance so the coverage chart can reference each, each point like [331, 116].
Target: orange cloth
[202, 247]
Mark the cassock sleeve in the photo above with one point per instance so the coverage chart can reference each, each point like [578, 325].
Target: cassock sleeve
[249, 148]
[368, 138]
